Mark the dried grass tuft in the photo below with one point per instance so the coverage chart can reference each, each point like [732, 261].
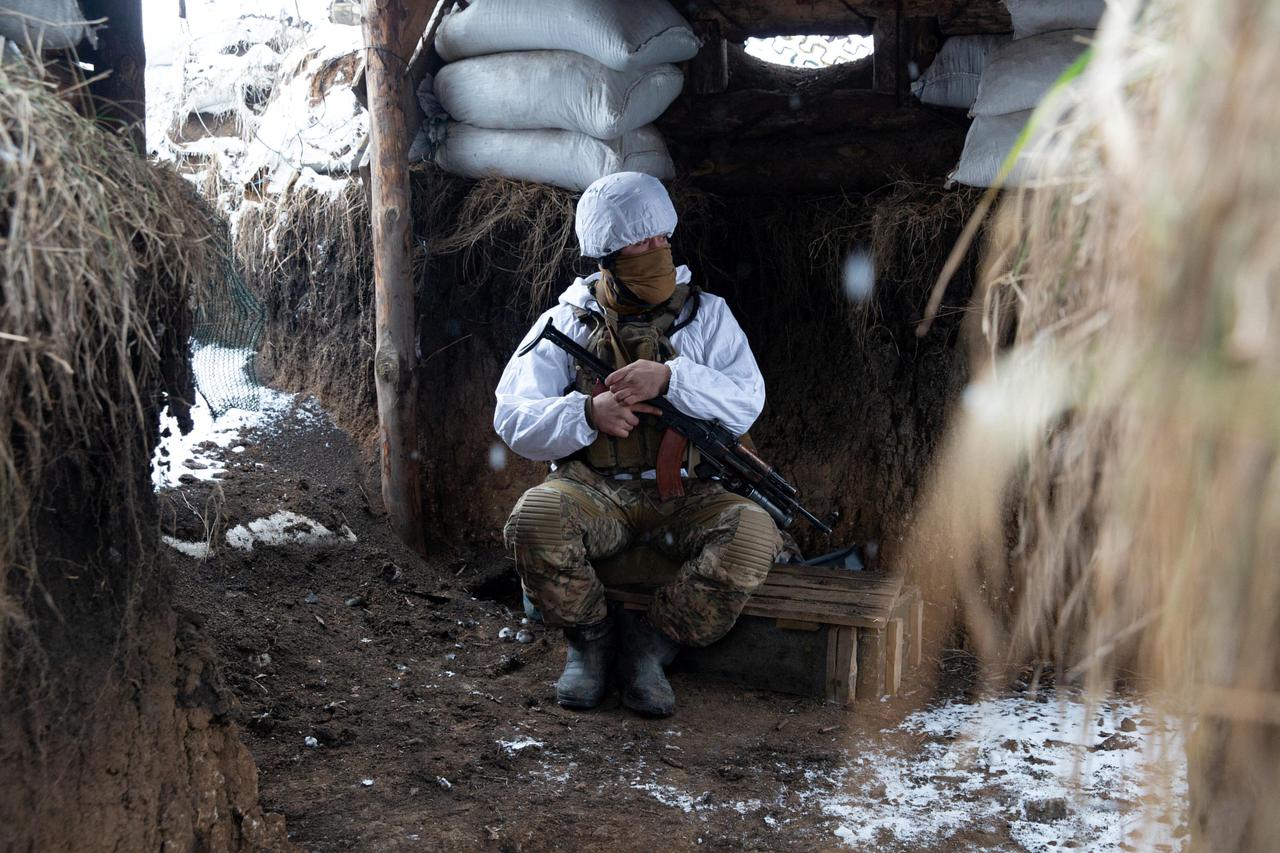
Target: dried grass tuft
[1134, 425]
[98, 254]
[522, 229]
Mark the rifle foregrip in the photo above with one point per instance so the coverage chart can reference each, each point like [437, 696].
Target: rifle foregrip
[781, 518]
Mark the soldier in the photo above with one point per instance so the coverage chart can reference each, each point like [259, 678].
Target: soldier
[644, 315]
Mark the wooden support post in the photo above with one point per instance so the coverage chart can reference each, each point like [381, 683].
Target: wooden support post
[120, 98]
[395, 358]
[887, 54]
[709, 69]
[917, 633]
[894, 652]
[871, 647]
[842, 665]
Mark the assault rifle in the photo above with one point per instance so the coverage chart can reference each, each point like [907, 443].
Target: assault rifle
[723, 455]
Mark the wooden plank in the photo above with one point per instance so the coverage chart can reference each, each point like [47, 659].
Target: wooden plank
[894, 653]
[833, 616]
[827, 592]
[796, 570]
[877, 600]
[796, 625]
[741, 19]
[917, 632]
[395, 359]
[887, 585]
[871, 677]
[776, 609]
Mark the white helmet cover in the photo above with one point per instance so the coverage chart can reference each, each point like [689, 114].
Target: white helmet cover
[620, 209]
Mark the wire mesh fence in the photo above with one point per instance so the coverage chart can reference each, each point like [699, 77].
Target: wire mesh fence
[224, 344]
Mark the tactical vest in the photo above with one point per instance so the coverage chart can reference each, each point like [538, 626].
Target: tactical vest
[620, 340]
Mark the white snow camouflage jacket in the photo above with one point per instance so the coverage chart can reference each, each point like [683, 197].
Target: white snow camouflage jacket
[714, 377]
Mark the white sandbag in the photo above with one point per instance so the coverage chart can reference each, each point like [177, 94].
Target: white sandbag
[1021, 73]
[951, 80]
[622, 35]
[47, 24]
[564, 158]
[990, 140]
[555, 89]
[1033, 17]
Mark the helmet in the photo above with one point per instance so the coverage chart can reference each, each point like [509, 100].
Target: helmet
[620, 209]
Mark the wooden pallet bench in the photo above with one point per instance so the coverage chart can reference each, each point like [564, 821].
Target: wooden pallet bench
[809, 630]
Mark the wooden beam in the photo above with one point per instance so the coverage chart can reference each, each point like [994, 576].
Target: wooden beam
[887, 59]
[742, 19]
[750, 114]
[849, 161]
[395, 356]
[709, 69]
[120, 98]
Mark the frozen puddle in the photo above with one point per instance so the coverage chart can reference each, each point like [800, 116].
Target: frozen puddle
[1059, 774]
[199, 454]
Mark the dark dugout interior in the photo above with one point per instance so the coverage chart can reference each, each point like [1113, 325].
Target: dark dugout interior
[812, 202]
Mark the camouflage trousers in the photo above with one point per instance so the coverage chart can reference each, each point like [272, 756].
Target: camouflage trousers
[727, 544]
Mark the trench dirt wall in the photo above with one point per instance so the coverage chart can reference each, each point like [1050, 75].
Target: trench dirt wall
[856, 402]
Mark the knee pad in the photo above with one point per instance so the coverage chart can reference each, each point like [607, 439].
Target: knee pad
[541, 518]
[755, 542]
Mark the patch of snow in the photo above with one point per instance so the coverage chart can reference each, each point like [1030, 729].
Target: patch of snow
[199, 550]
[669, 795]
[285, 527]
[982, 763]
[511, 747]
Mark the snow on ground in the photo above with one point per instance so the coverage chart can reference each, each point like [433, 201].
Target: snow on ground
[285, 528]
[1050, 775]
[199, 454]
[1057, 771]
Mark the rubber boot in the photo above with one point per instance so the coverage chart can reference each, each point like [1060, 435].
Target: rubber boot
[585, 678]
[646, 650]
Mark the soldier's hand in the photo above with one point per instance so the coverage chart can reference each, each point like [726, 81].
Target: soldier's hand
[639, 381]
[613, 418]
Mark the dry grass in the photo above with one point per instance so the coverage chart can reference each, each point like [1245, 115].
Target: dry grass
[1134, 425]
[519, 228]
[98, 252]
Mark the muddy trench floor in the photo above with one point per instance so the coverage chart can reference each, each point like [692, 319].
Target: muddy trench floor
[385, 713]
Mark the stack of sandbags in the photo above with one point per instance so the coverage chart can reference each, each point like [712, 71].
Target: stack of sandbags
[45, 24]
[1048, 35]
[559, 92]
[951, 80]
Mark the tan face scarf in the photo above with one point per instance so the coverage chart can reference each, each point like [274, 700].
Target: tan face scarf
[637, 282]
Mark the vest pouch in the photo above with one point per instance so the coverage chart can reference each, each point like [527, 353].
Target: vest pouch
[621, 342]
